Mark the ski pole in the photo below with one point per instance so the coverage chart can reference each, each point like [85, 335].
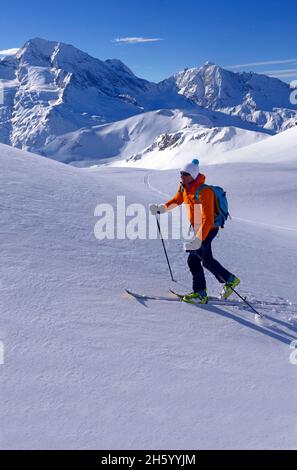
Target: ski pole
[244, 299]
[159, 228]
[237, 293]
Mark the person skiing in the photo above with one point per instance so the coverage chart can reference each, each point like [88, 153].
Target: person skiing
[191, 193]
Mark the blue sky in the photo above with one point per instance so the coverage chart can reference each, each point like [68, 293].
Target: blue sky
[182, 34]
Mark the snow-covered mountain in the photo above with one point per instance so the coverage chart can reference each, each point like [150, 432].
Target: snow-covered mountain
[166, 129]
[214, 146]
[51, 88]
[254, 98]
[61, 102]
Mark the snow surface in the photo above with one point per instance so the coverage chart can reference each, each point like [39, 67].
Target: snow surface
[87, 366]
[215, 146]
[140, 136]
[279, 148]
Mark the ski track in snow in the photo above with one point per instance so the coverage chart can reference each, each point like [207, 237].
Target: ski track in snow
[286, 329]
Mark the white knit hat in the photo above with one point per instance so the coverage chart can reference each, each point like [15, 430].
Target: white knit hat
[192, 168]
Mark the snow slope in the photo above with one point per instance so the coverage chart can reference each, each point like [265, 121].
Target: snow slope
[121, 138]
[214, 146]
[62, 103]
[209, 144]
[163, 129]
[88, 367]
[274, 149]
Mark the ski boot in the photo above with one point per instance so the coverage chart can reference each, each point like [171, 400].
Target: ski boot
[199, 297]
[232, 282]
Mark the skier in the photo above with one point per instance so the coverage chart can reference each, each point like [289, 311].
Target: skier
[199, 249]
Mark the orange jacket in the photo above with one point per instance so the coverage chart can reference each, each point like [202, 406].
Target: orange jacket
[201, 214]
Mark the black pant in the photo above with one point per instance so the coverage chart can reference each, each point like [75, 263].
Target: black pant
[203, 257]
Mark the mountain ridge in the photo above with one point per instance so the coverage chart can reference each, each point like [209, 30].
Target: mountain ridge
[52, 89]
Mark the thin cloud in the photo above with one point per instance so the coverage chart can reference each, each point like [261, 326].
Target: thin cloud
[267, 62]
[281, 73]
[135, 40]
[9, 51]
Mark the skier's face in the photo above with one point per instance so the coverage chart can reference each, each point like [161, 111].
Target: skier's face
[186, 178]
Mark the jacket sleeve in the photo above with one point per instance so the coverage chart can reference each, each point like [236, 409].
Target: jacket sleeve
[206, 199]
[177, 200]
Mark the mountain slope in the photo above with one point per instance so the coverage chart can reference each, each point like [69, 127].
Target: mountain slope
[255, 98]
[214, 146]
[278, 148]
[53, 88]
[56, 98]
[88, 367]
[137, 136]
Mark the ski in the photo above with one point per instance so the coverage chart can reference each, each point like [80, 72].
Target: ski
[148, 297]
[212, 299]
[270, 322]
[220, 300]
[262, 304]
[178, 298]
[181, 297]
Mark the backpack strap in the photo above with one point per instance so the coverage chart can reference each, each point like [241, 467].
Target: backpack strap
[181, 188]
[199, 189]
[216, 202]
